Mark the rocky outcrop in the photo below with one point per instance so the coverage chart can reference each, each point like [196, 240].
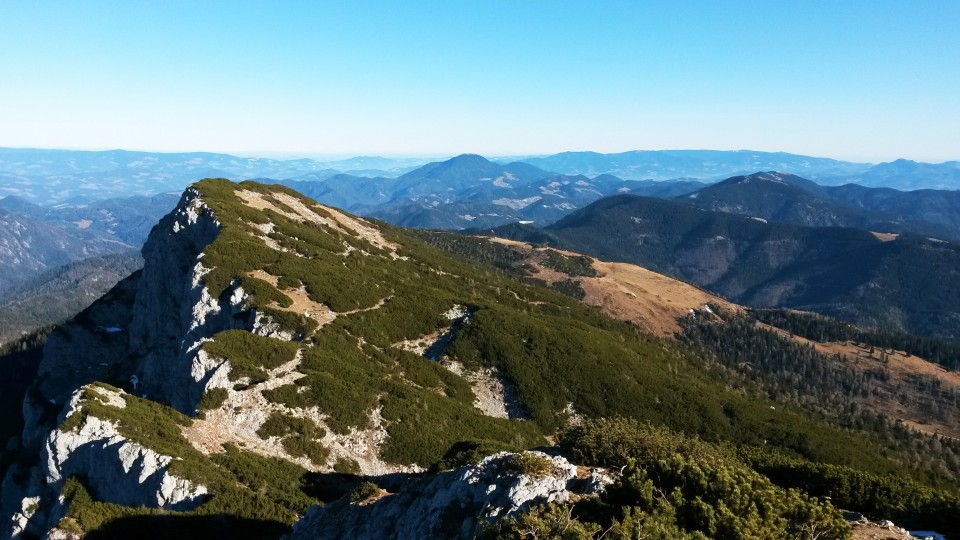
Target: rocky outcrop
[174, 311]
[151, 326]
[449, 505]
[117, 469]
[114, 469]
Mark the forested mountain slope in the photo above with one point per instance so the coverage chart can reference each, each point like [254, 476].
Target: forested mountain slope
[904, 283]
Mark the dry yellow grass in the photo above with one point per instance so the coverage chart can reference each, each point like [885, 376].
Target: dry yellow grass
[650, 300]
[302, 304]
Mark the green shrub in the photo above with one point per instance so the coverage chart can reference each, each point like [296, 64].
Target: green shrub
[277, 479]
[468, 453]
[249, 354]
[280, 425]
[554, 521]
[345, 465]
[530, 464]
[298, 436]
[614, 442]
[364, 491]
[212, 399]
[722, 500]
[572, 265]
[263, 293]
[300, 446]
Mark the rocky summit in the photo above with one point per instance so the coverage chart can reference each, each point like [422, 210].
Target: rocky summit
[280, 367]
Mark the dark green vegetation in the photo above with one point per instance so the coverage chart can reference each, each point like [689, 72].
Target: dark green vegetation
[299, 436]
[212, 399]
[250, 354]
[19, 361]
[672, 486]
[618, 441]
[511, 261]
[908, 503]
[572, 265]
[364, 491]
[530, 464]
[910, 284]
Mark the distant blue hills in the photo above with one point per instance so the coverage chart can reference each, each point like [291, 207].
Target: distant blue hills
[49, 177]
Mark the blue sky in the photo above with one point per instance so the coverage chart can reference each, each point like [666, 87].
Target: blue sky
[868, 81]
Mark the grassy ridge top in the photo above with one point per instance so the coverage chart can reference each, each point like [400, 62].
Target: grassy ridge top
[554, 351]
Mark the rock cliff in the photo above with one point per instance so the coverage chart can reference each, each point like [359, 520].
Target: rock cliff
[453, 504]
[147, 329]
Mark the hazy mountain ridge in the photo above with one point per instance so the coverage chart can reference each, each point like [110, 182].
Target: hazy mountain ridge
[36, 239]
[53, 176]
[128, 219]
[471, 191]
[699, 164]
[712, 165]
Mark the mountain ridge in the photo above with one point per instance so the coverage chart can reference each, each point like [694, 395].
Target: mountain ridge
[279, 343]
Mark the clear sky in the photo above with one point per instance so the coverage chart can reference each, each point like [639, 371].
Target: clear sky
[861, 80]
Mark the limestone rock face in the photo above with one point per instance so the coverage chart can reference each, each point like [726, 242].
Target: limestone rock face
[174, 312]
[151, 325]
[116, 469]
[443, 506]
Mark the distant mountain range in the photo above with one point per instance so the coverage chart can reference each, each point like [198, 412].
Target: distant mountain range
[906, 283]
[29, 247]
[471, 191]
[700, 164]
[49, 177]
[55, 176]
[715, 165]
[61, 205]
